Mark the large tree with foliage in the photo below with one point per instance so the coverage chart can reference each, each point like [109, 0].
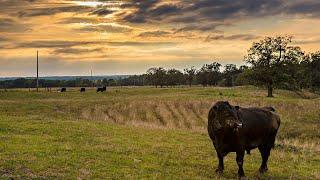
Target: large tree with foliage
[314, 67]
[158, 76]
[190, 74]
[230, 74]
[209, 74]
[268, 58]
[291, 66]
[174, 77]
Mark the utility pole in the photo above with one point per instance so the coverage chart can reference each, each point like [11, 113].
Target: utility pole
[91, 79]
[37, 71]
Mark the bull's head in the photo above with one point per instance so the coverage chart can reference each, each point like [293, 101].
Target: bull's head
[227, 115]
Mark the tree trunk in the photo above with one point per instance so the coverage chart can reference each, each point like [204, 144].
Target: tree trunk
[270, 90]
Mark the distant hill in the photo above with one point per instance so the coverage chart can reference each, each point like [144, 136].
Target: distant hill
[115, 77]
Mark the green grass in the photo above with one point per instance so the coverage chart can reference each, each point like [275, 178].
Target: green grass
[145, 133]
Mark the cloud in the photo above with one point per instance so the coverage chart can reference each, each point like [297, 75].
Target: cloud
[105, 28]
[194, 14]
[10, 25]
[69, 50]
[164, 10]
[54, 44]
[244, 37]
[202, 10]
[176, 26]
[217, 10]
[309, 8]
[160, 10]
[3, 39]
[135, 18]
[64, 45]
[48, 11]
[197, 27]
[6, 22]
[102, 12]
[142, 7]
[9, 6]
[72, 20]
[307, 41]
[134, 43]
[154, 34]
[147, 11]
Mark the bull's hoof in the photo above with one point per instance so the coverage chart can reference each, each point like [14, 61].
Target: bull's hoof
[219, 171]
[241, 174]
[262, 170]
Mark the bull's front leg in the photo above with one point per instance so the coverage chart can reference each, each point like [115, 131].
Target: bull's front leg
[239, 159]
[220, 168]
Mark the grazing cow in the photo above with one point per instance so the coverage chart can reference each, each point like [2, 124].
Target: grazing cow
[82, 89]
[235, 129]
[102, 89]
[63, 89]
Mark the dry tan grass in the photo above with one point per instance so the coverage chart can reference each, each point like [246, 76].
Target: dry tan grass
[189, 114]
[300, 119]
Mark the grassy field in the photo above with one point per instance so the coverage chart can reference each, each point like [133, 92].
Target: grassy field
[146, 133]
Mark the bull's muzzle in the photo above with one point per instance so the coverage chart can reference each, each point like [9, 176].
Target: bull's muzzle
[237, 127]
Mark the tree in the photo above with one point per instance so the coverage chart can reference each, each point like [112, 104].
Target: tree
[157, 76]
[315, 70]
[243, 76]
[214, 73]
[292, 58]
[174, 77]
[189, 74]
[209, 74]
[202, 76]
[112, 82]
[230, 73]
[105, 81]
[267, 60]
[304, 72]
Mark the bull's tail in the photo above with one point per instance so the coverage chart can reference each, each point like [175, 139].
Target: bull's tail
[276, 124]
[212, 125]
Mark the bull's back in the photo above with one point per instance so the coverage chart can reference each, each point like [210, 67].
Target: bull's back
[255, 117]
[259, 125]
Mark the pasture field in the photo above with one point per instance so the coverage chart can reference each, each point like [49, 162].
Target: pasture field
[146, 133]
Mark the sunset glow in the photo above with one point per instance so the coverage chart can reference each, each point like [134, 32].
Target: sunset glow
[88, 3]
[127, 37]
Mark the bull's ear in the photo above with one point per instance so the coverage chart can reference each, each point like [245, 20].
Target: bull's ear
[237, 107]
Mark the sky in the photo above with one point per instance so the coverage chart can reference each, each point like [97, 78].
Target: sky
[114, 37]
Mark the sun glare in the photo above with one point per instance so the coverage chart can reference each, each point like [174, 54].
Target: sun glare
[88, 3]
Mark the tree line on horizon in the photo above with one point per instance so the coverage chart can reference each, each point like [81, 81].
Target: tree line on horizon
[272, 63]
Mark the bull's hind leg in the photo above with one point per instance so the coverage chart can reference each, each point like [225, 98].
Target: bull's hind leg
[265, 153]
[239, 158]
[221, 165]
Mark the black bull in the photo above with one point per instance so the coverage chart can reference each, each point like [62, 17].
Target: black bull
[101, 89]
[235, 129]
